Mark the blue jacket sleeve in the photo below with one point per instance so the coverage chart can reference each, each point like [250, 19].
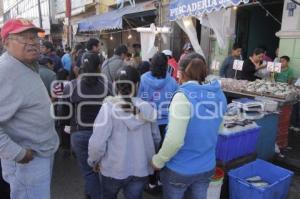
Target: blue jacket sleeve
[224, 67]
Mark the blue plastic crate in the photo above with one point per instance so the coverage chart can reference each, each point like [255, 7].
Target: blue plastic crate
[278, 178]
[230, 147]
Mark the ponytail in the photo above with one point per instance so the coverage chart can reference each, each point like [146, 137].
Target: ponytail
[126, 82]
[196, 70]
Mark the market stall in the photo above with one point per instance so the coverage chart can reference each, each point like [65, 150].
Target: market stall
[278, 99]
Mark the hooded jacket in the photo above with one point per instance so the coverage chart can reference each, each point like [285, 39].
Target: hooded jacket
[159, 93]
[122, 143]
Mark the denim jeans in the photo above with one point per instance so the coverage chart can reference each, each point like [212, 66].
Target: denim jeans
[4, 187]
[28, 181]
[133, 187]
[178, 186]
[79, 143]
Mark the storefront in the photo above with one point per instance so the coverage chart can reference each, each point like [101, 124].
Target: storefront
[119, 26]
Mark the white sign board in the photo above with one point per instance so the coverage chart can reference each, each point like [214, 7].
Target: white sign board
[215, 65]
[238, 65]
[274, 67]
[270, 66]
[277, 68]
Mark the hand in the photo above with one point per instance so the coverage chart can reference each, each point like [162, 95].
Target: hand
[155, 168]
[96, 168]
[28, 157]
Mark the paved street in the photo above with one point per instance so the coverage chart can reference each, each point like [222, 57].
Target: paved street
[68, 183]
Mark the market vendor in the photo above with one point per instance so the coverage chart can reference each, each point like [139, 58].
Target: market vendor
[286, 75]
[227, 66]
[252, 64]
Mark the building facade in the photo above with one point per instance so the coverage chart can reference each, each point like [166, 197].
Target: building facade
[29, 9]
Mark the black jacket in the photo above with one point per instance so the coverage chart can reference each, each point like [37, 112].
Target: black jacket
[78, 94]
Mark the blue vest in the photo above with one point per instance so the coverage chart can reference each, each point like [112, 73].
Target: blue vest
[197, 155]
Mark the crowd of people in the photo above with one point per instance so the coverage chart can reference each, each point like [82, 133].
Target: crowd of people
[131, 124]
[255, 67]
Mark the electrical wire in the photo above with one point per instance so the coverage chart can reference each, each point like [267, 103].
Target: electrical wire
[296, 2]
[269, 13]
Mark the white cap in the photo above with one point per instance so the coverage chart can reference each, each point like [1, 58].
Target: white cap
[168, 53]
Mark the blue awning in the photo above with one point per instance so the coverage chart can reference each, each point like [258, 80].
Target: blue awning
[112, 20]
[184, 8]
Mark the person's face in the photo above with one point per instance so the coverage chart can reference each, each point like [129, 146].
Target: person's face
[96, 49]
[45, 50]
[258, 58]
[237, 52]
[24, 46]
[137, 50]
[123, 56]
[284, 63]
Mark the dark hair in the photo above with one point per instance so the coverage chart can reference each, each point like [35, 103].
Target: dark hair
[236, 46]
[159, 65]
[188, 58]
[287, 58]
[62, 74]
[90, 64]
[264, 48]
[143, 67]
[78, 47]
[67, 49]
[127, 73]
[194, 67]
[44, 60]
[122, 49]
[258, 51]
[136, 45]
[129, 54]
[91, 43]
[48, 45]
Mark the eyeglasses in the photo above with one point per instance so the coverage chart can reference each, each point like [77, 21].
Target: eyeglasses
[26, 40]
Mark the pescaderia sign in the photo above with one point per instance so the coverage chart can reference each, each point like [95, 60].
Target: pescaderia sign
[184, 8]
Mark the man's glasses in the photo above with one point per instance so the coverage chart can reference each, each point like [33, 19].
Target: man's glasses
[26, 40]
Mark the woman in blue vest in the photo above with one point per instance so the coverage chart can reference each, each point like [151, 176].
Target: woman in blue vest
[187, 156]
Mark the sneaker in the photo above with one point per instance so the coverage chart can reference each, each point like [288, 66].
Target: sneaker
[159, 183]
[296, 129]
[152, 186]
[153, 189]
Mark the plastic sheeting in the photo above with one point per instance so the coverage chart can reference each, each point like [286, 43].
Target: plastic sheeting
[219, 22]
[186, 24]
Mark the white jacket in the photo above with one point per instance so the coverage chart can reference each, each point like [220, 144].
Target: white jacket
[122, 143]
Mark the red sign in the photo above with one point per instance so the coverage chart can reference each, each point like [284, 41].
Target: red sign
[68, 8]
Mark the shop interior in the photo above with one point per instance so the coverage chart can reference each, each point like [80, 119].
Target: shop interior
[257, 25]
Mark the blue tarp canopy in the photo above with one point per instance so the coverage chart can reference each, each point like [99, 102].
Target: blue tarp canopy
[111, 20]
[184, 8]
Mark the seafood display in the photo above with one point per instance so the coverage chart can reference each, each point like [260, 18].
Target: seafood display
[233, 84]
[271, 89]
[265, 88]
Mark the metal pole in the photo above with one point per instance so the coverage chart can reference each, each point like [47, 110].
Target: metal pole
[40, 14]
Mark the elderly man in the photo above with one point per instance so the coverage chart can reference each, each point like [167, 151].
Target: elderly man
[28, 139]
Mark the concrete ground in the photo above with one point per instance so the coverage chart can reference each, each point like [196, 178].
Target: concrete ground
[68, 183]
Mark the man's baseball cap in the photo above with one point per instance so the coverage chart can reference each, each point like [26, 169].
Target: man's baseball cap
[14, 26]
[187, 46]
[167, 53]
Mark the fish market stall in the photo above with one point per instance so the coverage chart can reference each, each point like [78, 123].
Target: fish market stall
[277, 100]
